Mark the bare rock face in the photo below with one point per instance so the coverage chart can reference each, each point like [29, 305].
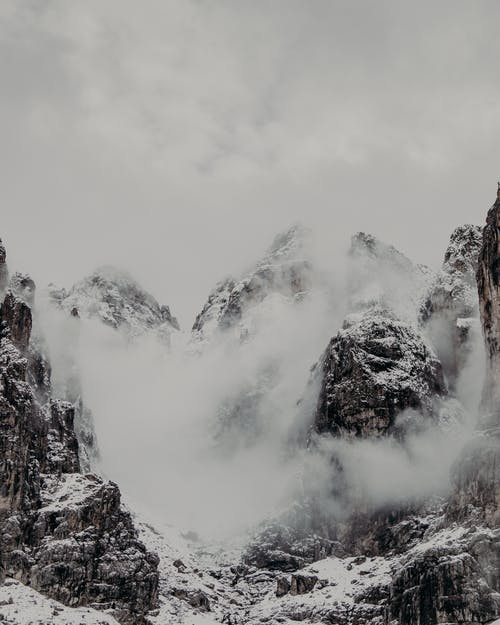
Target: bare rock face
[278, 546]
[488, 280]
[453, 582]
[373, 370]
[61, 532]
[4, 273]
[16, 320]
[450, 311]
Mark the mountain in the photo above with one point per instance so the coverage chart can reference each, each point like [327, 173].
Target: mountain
[285, 269]
[393, 518]
[373, 369]
[115, 298]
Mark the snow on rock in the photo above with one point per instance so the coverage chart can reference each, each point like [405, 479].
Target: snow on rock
[22, 605]
[235, 593]
[285, 269]
[372, 370]
[64, 534]
[452, 301]
[114, 297]
[450, 577]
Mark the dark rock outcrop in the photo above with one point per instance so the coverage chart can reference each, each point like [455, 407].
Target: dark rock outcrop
[373, 370]
[63, 533]
[4, 272]
[488, 279]
[282, 547]
[457, 579]
[302, 584]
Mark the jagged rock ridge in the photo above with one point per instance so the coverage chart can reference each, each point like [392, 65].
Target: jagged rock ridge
[115, 298]
[285, 269]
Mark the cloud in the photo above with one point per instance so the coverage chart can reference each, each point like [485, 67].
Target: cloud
[177, 137]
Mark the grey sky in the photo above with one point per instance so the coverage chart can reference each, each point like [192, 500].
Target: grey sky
[176, 137]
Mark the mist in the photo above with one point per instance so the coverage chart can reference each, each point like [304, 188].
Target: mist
[212, 437]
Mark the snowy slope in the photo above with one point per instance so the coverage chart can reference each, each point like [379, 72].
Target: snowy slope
[21, 605]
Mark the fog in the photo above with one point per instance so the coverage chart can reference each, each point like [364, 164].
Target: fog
[212, 436]
[174, 139]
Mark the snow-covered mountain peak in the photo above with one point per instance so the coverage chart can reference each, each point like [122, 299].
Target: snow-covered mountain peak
[366, 246]
[382, 276]
[289, 244]
[116, 298]
[285, 270]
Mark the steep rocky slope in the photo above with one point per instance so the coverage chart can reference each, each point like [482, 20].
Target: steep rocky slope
[63, 533]
[373, 369]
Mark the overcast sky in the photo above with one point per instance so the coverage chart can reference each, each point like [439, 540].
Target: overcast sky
[176, 137]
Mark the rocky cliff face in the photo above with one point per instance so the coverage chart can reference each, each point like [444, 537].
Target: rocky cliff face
[62, 532]
[488, 277]
[373, 370]
[4, 274]
[458, 581]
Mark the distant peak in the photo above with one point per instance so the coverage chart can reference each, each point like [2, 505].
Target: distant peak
[290, 241]
[366, 244]
[110, 273]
